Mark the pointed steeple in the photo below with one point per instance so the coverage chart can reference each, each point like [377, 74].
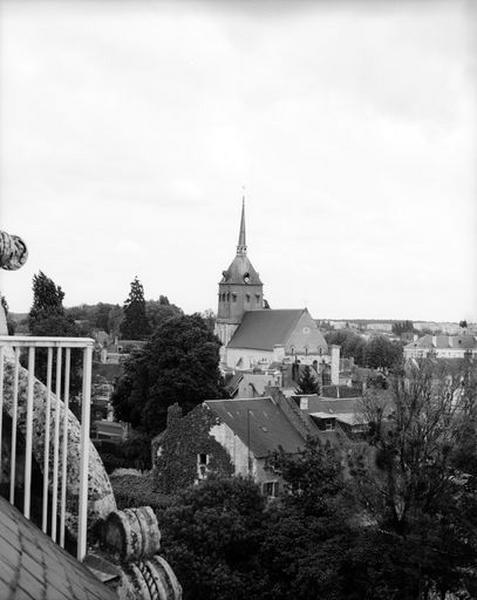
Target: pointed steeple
[242, 244]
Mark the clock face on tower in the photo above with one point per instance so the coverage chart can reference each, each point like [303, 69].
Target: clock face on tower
[246, 278]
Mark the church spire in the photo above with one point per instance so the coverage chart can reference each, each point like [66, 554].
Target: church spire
[242, 245]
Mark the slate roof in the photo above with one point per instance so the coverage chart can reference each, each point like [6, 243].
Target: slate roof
[238, 268]
[465, 342]
[32, 566]
[262, 329]
[347, 410]
[260, 421]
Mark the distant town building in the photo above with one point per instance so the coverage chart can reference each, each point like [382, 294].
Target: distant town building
[442, 346]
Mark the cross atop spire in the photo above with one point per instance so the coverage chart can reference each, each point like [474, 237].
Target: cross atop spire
[242, 244]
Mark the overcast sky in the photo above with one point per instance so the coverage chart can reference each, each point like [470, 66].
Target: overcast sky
[127, 130]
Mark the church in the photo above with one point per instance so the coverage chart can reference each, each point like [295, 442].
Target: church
[254, 335]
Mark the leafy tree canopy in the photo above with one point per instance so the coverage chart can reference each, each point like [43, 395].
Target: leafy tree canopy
[158, 311]
[178, 364]
[212, 534]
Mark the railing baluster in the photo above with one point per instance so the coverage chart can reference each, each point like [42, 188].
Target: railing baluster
[29, 432]
[66, 397]
[84, 453]
[52, 440]
[14, 426]
[46, 458]
[1, 406]
[54, 504]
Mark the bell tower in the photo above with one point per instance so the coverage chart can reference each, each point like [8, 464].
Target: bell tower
[240, 289]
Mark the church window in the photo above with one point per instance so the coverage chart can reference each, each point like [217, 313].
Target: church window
[247, 297]
[234, 297]
[257, 296]
[228, 297]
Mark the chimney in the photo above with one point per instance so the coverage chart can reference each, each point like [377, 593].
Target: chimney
[278, 352]
[335, 364]
[174, 414]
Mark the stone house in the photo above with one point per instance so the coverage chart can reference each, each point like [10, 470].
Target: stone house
[228, 438]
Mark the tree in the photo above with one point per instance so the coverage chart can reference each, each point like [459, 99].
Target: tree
[158, 311]
[352, 344]
[210, 318]
[463, 324]
[47, 299]
[401, 327]
[135, 325]
[178, 364]
[307, 532]
[47, 318]
[212, 534]
[115, 318]
[308, 382]
[382, 353]
[411, 485]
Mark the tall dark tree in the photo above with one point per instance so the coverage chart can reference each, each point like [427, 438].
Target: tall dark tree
[308, 383]
[178, 364]
[135, 325]
[47, 318]
[47, 299]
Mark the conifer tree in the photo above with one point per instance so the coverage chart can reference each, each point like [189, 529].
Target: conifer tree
[47, 317]
[135, 325]
[308, 383]
[47, 299]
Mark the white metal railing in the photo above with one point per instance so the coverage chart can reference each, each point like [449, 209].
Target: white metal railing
[55, 478]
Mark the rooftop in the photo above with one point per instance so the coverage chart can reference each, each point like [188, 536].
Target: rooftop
[464, 342]
[33, 566]
[263, 329]
[259, 423]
